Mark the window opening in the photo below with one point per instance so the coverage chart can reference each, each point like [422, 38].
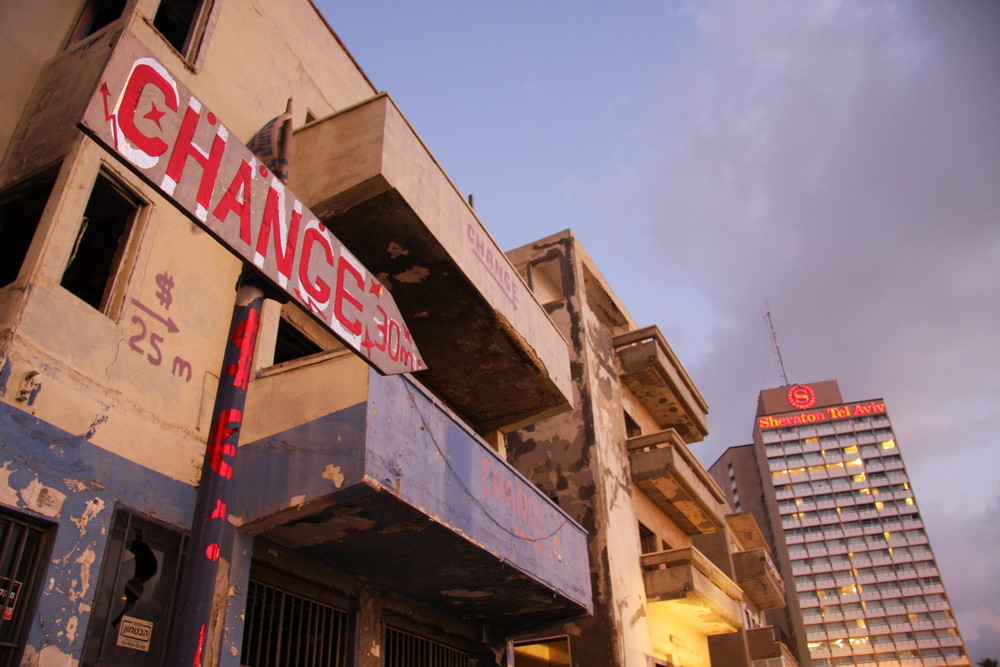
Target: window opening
[648, 540]
[282, 628]
[20, 211]
[632, 428]
[292, 343]
[96, 15]
[100, 245]
[544, 653]
[23, 548]
[130, 624]
[404, 649]
[182, 23]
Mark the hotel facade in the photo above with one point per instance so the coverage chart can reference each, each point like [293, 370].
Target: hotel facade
[826, 480]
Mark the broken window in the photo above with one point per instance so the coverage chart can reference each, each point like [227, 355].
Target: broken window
[97, 260]
[130, 623]
[24, 548]
[96, 15]
[20, 210]
[182, 23]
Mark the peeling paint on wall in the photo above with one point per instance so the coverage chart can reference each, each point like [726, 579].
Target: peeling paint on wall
[43, 499]
[94, 507]
[334, 474]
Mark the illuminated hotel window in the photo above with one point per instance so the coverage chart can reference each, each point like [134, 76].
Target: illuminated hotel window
[860, 477]
[851, 450]
[888, 444]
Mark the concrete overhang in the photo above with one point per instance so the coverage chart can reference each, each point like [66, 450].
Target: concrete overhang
[759, 578]
[746, 529]
[491, 350]
[375, 477]
[651, 371]
[684, 584]
[665, 470]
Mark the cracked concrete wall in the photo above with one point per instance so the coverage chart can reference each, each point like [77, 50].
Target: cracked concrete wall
[579, 459]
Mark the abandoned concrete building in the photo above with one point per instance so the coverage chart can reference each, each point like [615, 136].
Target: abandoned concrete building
[438, 465]
[373, 522]
[678, 578]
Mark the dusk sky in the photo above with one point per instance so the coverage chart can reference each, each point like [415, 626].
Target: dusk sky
[836, 160]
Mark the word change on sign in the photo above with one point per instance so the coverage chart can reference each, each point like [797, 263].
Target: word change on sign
[157, 127]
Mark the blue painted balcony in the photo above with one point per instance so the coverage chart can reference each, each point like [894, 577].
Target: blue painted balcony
[374, 476]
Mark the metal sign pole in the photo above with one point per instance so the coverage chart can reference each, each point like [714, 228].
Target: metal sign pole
[211, 533]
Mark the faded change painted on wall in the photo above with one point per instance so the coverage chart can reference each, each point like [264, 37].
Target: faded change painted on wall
[143, 115]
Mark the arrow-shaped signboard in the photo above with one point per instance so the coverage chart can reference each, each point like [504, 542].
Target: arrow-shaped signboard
[158, 128]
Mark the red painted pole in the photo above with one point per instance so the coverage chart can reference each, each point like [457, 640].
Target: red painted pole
[211, 533]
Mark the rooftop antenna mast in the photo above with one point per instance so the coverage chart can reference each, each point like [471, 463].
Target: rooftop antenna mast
[777, 345]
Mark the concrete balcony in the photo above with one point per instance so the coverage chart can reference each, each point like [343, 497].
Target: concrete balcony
[759, 578]
[769, 648]
[373, 475]
[665, 470]
[652, 372]
[683, 584]
[371, 180]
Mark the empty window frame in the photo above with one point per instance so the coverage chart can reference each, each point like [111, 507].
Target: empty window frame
[133, 607]
[299, 335]
[24, 548]
[21, 208]
[632, 428]
[182, 23]
[648, 540]
[96, 15]
[292, 343]
[282, 628]
[99, 262]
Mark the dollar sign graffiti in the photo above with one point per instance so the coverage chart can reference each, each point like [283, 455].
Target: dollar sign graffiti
[166, 284]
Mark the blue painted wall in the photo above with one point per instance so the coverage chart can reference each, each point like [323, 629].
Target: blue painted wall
[74, 484]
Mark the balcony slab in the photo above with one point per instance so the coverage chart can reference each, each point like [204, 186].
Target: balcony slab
[367, 175]
[374, 476]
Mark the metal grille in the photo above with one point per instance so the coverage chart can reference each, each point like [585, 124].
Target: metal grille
[283, 629]
[403, 649]
[20, 556]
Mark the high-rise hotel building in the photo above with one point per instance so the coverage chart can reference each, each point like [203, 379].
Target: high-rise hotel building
[826, 480]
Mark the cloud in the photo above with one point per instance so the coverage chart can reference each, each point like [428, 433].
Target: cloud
[839, 160]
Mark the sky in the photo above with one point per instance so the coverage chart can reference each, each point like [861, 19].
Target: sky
[834, 161]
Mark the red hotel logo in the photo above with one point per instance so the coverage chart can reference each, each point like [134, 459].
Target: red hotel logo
[801, 397]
